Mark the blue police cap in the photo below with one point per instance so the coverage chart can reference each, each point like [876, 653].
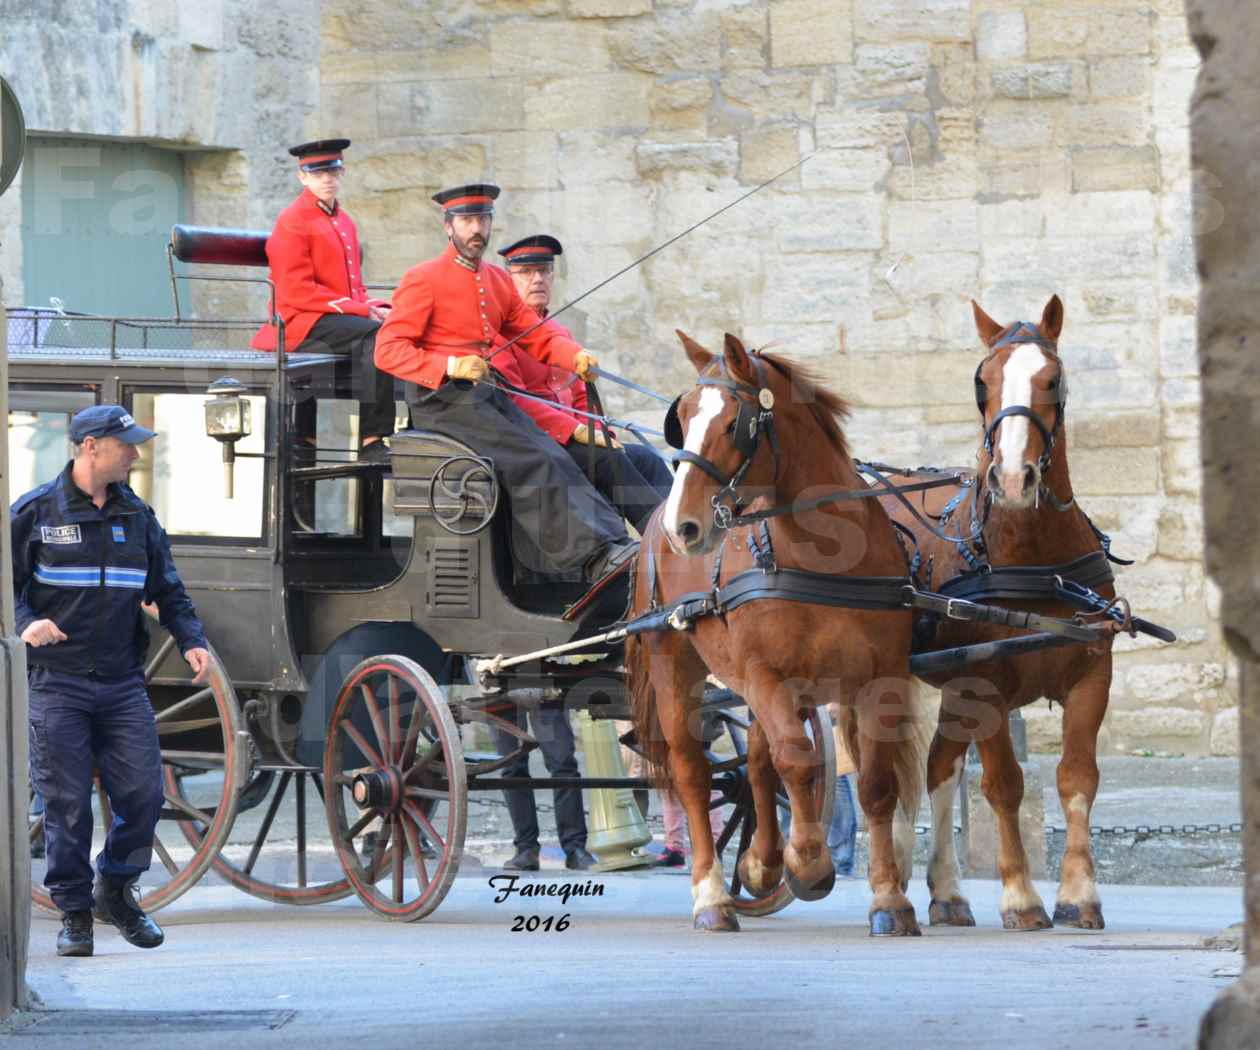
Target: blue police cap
[108, 421]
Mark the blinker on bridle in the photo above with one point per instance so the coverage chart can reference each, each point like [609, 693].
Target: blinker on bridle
[755, 417]
[1022, 332]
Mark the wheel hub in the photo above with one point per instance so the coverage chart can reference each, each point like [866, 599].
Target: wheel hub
[379, 789]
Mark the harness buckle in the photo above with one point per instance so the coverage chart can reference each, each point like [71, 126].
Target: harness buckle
[967, 610]
[721, 514]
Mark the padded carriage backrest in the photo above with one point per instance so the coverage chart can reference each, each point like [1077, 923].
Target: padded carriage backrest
[206, 244]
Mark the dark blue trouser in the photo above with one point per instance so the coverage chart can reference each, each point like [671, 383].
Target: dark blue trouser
[648, 463]
[555, 739]
[74, 720]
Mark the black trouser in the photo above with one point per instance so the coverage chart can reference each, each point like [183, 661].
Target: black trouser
[353, 337]
[558, 519]
[555, 739]
[618, 476]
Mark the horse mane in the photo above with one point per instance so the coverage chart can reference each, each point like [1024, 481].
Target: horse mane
[829, 409]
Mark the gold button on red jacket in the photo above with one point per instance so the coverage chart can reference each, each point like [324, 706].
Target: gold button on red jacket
[314, 260]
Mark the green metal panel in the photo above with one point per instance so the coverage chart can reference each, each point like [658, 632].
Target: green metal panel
[96, 216]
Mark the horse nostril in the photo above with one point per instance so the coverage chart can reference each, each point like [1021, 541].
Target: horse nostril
[1030, 477]
[688, 532]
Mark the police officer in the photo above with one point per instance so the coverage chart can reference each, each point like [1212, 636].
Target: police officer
[86, 553]
[320, 296]
[451, 316]
[634, 478]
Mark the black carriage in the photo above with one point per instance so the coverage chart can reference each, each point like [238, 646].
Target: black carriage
[355, 609]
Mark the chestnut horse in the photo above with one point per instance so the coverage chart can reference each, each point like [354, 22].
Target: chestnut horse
[1023, 514]
[759, 424]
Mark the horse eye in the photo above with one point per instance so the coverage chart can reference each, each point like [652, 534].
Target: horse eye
[1054, 383]
[731, 428]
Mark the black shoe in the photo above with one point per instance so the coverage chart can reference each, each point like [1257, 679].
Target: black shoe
[579, 859]
[376, 452]
[525, 860]
[609, 558]
[75, 937]
[114, 902]
[671, 858]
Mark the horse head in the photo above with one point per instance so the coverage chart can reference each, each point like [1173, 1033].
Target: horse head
[1021, 389]
[723, 428]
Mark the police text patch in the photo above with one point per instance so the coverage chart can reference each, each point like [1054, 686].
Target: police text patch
[120, 535]
[61, 534]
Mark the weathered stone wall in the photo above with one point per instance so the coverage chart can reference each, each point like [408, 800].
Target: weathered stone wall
[990, 148]
[230, 82]
[1226, 138]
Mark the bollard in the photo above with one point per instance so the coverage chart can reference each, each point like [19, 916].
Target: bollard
[616, 824]
[979, 848]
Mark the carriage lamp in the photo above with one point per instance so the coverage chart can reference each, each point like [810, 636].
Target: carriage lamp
[227, 421]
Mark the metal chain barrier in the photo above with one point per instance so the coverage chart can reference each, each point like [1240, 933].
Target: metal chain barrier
[1144, 831]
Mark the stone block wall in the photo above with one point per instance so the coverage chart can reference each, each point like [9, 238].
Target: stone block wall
[229, 83]
[1001, 149]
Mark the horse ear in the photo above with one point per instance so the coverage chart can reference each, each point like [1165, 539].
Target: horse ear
[737, 359]
[696, 354]
[988, 328]
[1052, 319]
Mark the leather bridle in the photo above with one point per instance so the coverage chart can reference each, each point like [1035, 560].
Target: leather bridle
[1023, 332]
[754, 418]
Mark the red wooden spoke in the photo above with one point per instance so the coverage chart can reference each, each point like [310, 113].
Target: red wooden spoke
[413, 734]
[423, 821]
[440, 796]
[395, 717]
[161, 851]
[369, 752]
[374, 713]
[399, 870]
[413, 844]
[430, 756]
[359, 825]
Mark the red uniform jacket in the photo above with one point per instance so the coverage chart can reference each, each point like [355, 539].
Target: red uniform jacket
[442, 309]
[553, 383]
[314, 260]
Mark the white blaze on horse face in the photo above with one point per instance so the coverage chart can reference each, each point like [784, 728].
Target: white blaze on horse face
[710, 408]
[1017, 387]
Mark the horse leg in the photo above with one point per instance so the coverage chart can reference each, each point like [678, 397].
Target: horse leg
[808, 870]
[761, 864]
[945, 763]
[1077, 903]
[891, 913]
[712, 908]
[1003, 785]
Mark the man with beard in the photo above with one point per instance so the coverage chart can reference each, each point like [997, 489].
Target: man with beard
[450, 318]
[634, 478]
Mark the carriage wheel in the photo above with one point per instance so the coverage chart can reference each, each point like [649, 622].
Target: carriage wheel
[205, 760]
[743, 817]
[272, 860]
[393, 761]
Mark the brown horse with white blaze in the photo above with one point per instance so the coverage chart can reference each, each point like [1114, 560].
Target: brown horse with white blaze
[781, 656]
[1024, 515]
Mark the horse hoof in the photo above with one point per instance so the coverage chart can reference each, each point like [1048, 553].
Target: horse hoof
[1083, 917]
[758, 879]
[900, 923]
[716, 920]
[956, 912]
[1025, 919]
[810, 891]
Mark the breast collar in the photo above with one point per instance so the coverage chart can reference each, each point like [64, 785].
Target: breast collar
[755, 417]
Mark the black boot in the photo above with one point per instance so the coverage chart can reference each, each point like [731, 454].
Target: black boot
[526, 859]
[75, 937]
[114, 902]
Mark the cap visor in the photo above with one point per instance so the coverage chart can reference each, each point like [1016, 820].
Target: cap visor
[135, 434]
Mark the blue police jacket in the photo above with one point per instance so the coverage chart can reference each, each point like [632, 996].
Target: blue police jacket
[88, 569]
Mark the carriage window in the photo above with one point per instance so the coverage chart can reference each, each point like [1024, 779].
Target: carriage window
[180, 473]
[39, 446]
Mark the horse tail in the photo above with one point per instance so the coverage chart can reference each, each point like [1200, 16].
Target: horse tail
[642, 694]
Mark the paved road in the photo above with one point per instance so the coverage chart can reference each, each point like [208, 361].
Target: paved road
[630, 973]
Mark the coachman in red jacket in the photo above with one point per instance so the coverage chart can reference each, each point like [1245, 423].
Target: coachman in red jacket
[635, 478]
[314, 256]
[450, 317]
